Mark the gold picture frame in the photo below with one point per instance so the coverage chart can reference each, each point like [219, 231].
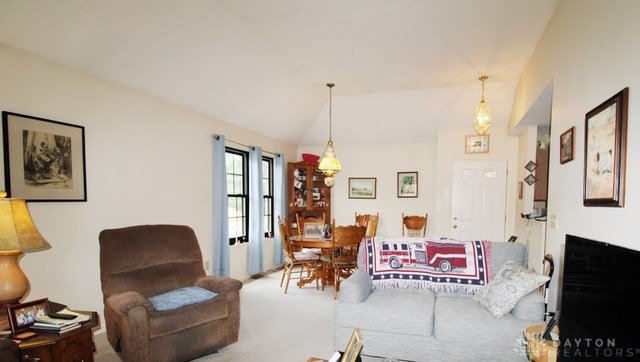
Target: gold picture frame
[354, 347]
[362, 187]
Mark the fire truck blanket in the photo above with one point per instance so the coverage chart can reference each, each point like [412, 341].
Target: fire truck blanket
[440, 265]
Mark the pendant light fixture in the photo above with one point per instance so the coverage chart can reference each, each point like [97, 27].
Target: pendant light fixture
[482, 115]
[329, 164]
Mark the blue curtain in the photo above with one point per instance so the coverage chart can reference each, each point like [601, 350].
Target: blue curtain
[279, 204]
[256, 213]
[220, 222]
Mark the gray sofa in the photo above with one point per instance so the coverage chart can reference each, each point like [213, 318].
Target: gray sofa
[420, 325]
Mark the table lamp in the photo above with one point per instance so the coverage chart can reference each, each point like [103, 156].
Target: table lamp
[18, 234]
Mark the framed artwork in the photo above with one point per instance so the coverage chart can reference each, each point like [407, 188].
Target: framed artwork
[362, 187]
[44, 159]
[354, 347]
[531, 166]
[407, 184]
[605, 149]
[566, 145]
[22, 316]
[530, 180]
[476, 144]
[313, 230]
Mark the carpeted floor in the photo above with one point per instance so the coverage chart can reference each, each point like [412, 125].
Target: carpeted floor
[273, 326]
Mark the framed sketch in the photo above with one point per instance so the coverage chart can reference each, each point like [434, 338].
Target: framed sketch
[362, 187]
[530, 180]
[605, 152]
[566, 145]
[476, 144]
[407, 184]
[531, 166]
[44, 159]
[313, 230]
[22, 316]
[354, 347]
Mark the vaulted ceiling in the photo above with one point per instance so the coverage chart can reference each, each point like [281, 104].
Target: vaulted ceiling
[403, 69]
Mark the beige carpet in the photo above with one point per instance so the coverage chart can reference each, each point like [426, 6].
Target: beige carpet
[273, 326]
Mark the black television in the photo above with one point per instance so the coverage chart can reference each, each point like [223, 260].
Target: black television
[599, 315]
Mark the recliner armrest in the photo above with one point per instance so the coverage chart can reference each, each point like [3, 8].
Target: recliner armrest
[356, 288]
[122, 303]
[220, 285]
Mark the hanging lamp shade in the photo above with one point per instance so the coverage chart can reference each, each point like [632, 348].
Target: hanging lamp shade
[329, 164]
[482, 115]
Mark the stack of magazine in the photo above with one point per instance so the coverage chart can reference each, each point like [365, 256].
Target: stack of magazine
[49, 324]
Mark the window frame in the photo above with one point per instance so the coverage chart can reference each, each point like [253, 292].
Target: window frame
[244, 195]
[268, 198]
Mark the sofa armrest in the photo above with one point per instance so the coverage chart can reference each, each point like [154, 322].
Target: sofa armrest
[356, 288]
[530, 306]
[221, 285]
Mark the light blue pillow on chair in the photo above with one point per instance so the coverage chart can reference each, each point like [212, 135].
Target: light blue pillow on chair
[181, 297]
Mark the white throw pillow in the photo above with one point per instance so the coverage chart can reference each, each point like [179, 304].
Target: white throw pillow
[505, 290]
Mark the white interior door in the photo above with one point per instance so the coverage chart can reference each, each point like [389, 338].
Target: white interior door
[478, 200]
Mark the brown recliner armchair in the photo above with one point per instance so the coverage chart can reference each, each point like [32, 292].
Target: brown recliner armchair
[140, 262]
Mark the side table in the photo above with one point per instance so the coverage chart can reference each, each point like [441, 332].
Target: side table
[76, 345]
[538, 349]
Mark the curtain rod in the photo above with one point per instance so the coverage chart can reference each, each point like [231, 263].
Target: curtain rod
[217, 137]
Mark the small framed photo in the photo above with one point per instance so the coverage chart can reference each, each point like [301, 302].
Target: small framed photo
[566, 145]
[354, 347]
[407, 184]
[313, 230]
[476, 144]
[362, 187]
[531, 166]
[44, 159]
[22, 316]
[605, 152]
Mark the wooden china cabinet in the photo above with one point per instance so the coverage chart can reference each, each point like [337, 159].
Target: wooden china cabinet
[307, 194]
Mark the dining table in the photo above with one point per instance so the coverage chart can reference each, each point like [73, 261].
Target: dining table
[324, 244]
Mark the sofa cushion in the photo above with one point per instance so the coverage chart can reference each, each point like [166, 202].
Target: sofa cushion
[459, 318]
[356, 288]
[180, 297]
[510, 284]
[392, 311]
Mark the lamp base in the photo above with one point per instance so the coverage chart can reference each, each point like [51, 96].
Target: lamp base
[13, 283]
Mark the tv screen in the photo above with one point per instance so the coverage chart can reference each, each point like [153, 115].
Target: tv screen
[600, 303]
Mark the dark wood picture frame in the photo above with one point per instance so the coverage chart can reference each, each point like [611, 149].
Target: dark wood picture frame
[362, 187]
[605, 151]
[567, 145]
[22, 316]
[44, 160]
[407, 184]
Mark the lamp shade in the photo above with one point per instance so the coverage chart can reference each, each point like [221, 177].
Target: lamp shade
[17, 229]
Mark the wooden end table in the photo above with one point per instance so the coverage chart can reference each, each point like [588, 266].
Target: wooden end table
[538, 349]
[76, 345]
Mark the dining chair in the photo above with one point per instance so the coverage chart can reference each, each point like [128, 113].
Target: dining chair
[302, 260]
[300, 221]
[345, 241]
[415, 225]
[370, 221]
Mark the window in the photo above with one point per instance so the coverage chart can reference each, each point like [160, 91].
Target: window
[236, 162]
[267, 189]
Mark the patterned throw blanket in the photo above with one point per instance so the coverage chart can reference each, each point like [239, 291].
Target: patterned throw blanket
[441, 265]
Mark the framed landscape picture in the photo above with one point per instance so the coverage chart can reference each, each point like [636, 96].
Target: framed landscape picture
[362, 187]
[44, 159]
[605, 152]
[407, 184]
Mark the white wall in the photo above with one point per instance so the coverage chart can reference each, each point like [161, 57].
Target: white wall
[384, 161]
[433, 162]
[590, 51]
[147, 161]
